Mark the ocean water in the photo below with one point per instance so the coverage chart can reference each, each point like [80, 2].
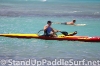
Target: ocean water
[29, 16]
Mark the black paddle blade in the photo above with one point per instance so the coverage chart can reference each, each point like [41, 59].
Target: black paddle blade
[64, 33]
[71, 34]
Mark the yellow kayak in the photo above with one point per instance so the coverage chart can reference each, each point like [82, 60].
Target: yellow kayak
[59, 37]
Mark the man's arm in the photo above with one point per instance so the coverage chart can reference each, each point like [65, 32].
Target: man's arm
[45, 27]
[54, 30]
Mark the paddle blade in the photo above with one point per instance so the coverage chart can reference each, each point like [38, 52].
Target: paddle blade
[64, 33]
[71, 34]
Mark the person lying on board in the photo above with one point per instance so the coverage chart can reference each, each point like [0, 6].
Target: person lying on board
[66, 23]
[48, 30]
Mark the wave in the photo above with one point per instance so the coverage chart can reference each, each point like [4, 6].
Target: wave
[44, 0]
[96, 13]
[75, 11]
[44, 14]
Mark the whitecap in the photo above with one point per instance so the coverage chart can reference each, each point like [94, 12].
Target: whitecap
[96, 12]
[44, 0]
[74, 11]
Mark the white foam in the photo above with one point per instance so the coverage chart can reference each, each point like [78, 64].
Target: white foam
[74, 11]
[96, 12]
[44, 0]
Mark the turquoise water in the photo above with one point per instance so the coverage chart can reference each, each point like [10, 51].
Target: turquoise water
[29, 16]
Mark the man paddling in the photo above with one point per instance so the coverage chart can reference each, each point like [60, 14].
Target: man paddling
[48, 30]
[67, 23]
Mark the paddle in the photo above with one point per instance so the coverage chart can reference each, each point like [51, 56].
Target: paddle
[71, 34]
[66, 33]
[63, 32]
[40, 30]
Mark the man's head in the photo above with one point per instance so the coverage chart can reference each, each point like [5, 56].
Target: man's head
[49, 23]
[74, 20]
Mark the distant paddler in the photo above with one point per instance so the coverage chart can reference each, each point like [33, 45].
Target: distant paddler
[69, 23]
[66, 23]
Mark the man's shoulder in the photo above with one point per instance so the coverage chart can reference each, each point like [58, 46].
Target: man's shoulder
[46, 26]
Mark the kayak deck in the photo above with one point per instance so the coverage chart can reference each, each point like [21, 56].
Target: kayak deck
[59, 37]
[20, 35]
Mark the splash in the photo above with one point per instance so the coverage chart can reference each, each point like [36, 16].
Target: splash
[44, 0]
